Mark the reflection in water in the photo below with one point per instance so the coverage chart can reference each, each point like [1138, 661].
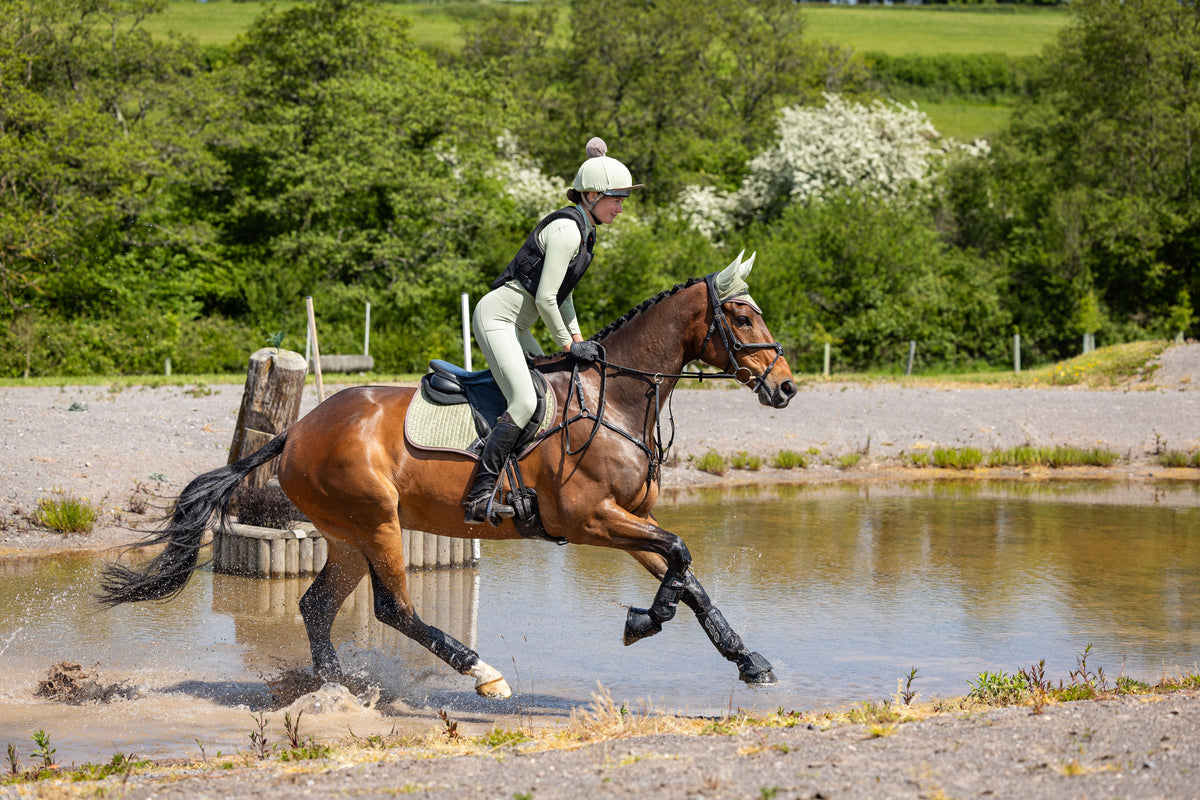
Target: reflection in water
[844, 589]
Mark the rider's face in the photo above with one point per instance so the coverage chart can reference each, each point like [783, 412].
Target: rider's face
[607, 209]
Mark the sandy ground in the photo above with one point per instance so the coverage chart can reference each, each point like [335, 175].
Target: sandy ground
[138, 447]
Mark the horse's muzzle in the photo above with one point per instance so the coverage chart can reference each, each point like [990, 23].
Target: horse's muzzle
[777, 396]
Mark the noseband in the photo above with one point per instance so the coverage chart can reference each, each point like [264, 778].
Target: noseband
[732, 344]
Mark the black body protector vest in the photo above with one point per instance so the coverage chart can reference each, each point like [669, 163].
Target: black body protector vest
[526, 266]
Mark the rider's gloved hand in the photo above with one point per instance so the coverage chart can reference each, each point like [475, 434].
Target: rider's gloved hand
[587, 351]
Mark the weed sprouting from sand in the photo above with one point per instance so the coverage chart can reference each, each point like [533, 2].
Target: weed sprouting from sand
[956, 458]
[258, 739]
[906, 694]
[788, 459]
[712, 462]
[44, 752]
[450, 728]
[743, 460]
[298, 749]
[998, 688]
[66, 513]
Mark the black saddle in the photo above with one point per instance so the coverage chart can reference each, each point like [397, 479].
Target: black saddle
[448, 384]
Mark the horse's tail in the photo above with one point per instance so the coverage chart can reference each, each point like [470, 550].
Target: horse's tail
[166, 574]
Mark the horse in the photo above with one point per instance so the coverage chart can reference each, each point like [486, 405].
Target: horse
[348, 466]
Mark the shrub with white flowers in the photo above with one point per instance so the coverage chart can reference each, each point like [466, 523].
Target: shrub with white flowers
[536, 193]
[882, 149]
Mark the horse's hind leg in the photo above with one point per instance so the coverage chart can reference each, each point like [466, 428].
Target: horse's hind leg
[343, 570]
[393, 607]
[752, 667]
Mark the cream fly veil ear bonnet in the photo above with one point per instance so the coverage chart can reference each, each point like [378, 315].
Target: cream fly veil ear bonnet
[731, 281]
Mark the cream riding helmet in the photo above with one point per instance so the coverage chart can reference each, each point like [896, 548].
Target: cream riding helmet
[602, 174]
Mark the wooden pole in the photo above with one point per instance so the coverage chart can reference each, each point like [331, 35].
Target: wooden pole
[316, 351]
[270, 404]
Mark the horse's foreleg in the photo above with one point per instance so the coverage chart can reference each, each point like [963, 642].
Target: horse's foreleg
[393, 608]
[343, 570]
[752, 667]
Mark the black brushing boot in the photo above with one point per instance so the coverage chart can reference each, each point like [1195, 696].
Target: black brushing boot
[495, 453]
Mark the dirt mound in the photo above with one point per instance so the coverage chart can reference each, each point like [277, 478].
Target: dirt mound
[70, 683]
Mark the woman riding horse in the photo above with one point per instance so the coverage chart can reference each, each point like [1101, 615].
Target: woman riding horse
[538, 282]
[348, 466]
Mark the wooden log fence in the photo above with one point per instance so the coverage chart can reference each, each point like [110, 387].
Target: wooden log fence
[274, 553]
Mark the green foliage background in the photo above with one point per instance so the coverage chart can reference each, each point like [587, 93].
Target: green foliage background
[162, 198]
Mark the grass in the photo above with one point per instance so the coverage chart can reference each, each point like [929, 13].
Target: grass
[1178, 459]
[901, 30]
[956, 458]
[1103, 368]
[712, 462]
[965, 120]
[1056, 457]
[743, 460]
[895, 30]
[788, 459]
[66, 513]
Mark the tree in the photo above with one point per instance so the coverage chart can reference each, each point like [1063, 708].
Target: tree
[357, 168]
[1097, 184]
[90, 157]
[870, 275]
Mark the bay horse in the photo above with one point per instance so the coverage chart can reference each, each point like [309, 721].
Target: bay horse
[348, 466]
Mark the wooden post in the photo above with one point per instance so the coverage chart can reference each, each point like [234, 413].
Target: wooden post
[270, 404]
[466, 326]
[367, 332]
[316, 351]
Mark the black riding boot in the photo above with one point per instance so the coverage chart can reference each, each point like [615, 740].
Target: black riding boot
[499, 446]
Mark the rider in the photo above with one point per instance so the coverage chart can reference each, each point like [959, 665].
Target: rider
[538, 282]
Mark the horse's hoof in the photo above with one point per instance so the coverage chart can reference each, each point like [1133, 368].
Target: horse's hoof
[639, 625]
[497, 689]
[755, 670]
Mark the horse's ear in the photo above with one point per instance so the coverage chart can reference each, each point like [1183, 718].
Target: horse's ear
[727, 276]
[731, 281]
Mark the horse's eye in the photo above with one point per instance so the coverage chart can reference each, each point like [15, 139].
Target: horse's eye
[743, 322]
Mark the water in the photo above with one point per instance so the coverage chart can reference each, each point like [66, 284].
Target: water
[844, 588]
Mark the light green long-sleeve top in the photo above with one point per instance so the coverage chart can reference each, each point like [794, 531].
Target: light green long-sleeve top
[560, 242]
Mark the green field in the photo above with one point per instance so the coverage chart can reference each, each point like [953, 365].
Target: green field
[927, 31]
[895, 30]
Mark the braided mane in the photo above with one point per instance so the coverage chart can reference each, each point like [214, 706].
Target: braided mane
[636, 310]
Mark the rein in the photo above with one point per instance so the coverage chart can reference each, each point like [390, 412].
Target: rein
[658, 453]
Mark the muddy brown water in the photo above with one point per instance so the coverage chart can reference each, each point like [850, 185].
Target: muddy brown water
[845, 589]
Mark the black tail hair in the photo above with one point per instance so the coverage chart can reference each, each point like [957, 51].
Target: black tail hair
[166, 574]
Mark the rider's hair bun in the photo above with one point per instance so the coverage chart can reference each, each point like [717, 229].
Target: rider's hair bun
[596, 147]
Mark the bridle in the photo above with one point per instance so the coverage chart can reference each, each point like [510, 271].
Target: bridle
[658, 454]
[733, 345]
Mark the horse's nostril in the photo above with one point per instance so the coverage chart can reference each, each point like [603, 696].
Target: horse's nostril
[788, 388]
